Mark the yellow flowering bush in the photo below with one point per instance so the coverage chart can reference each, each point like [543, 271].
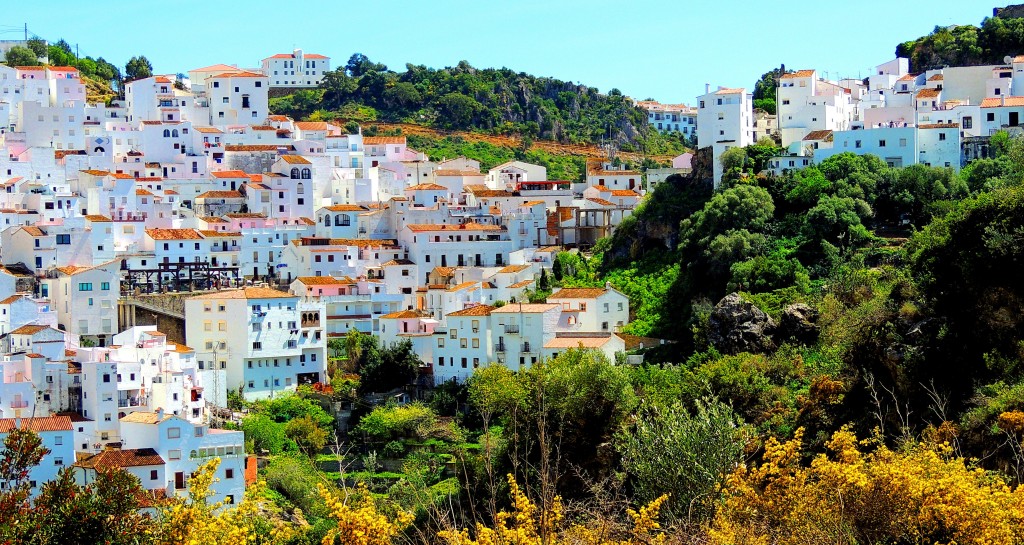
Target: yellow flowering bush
[921, 494]
[197, 522]
[358, 520]
[529, 525]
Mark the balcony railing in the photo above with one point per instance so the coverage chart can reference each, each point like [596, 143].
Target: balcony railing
[136, 401]
[500, 347]
[512, 329]
[527, 349]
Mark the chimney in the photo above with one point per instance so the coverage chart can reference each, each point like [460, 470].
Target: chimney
[159, 414]
[607, 285]
[707, 88]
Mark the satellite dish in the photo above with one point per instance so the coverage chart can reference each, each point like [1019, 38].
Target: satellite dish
[1008, 59]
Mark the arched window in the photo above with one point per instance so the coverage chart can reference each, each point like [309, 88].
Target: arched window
[345, 221]
[299, 189]
[327, 220]
[306, 174]
[167, 133]
[174, 133]
[295, 173]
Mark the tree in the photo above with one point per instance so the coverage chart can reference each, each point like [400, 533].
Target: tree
[382, 370]
[456, 110]
[265, 434]
[138, 68]
[403, 96]
[23, 451]
[683, 454]
[106, 510]
[38, 46]
[307, 434]
[544, 284]
[357, 521]
[21, 56]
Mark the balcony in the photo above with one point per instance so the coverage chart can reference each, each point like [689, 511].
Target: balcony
[500, 348]
[527, 349]
[22, 404]
[512, 329]
[132, 401]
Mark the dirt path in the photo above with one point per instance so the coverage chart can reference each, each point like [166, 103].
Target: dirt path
[556, 148]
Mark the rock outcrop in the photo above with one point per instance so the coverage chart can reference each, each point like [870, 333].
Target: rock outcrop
[738, 326]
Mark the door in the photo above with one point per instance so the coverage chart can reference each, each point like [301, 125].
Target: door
[1014, 119]
[179, 480]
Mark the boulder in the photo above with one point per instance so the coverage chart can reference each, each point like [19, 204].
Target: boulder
[799, 323]
[738, 326]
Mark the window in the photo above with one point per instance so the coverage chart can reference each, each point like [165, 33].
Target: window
[105, 286]
[153, 474]
[942, 136]
[990, 116]
[63, 239]
[85, 286]
[967, 122]
[58, 440]
[229, 473]
[856, 144]
[903, 142]
[881, 143]
[174, 454]
[173, 433]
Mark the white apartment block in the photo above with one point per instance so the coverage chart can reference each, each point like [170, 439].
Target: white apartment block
[296, 69]
[724, 120]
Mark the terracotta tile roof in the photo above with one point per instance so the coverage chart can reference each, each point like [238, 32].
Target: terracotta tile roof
[928, 93]
[798, 74]
[602, 172]
[116, 459]
[247, 293]
[374, 140]
[72, 269]
[320, 281]
[215, 68]
[29, 329]
[936, 77]
[36, 424]
[528, 308]
[214, 234]
[624, 193]
[219, 194]
[346, 208]
[312, 125]
[476, 310]
[402, 315]
[602, 202]
[229, 174]
[908, 77]
[1005, 101]
[426, 187]
[578, 293]
[819, 135]
[279, 118]
[173, 234]
[240, 74]
[521, 284]
[143, 193]
[295, 160]
[427, 227]
[144, 417]
[33, 231]
[533, 203]
[212, 219]
[182, 349]
[209, 130]
[247, 215]
[577, 342]
[360, 242]
[729, 91]
[263, 128]
[514, 269]
[256, 147]
[395, 262]
[462, 286]
[292, 56]
[12, 298]
[939, 126]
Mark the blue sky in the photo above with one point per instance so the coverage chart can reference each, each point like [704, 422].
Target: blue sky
[662, 49]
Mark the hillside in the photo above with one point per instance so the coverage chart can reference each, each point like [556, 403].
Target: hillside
[492, 101]
[966, 45]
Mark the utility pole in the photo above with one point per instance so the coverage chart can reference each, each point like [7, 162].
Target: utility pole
[26, 32]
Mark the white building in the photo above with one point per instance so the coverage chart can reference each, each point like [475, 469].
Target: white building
[296, 69]
[278, 345]
[724, 120]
